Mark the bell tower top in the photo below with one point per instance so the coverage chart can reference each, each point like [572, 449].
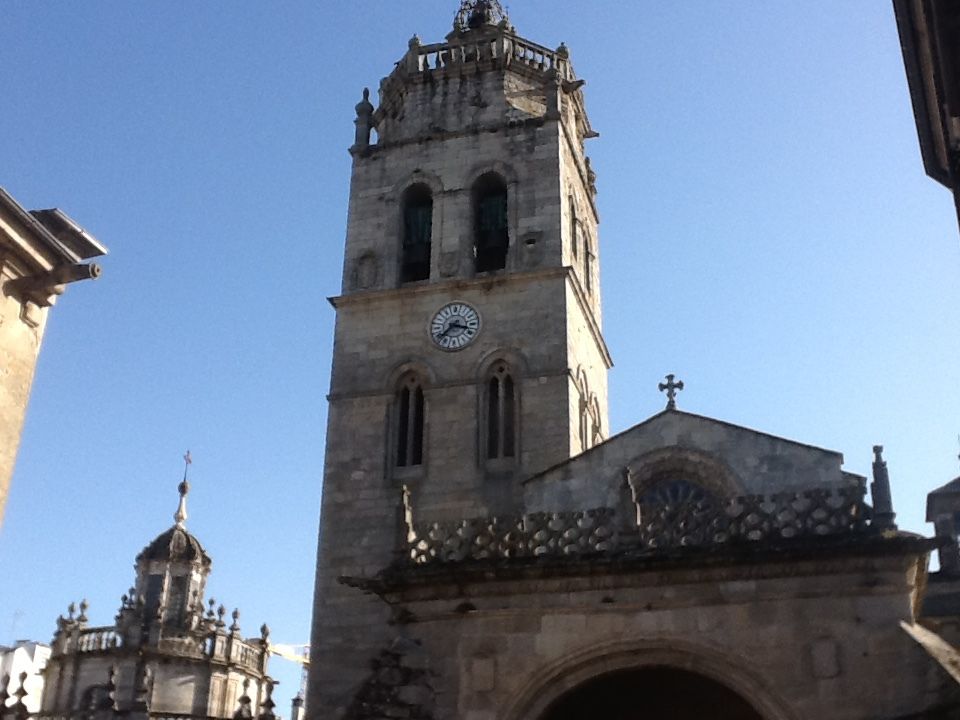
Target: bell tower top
[480, 78]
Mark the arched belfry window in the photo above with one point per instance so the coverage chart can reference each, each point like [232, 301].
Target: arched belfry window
[491, 238]
[501, 411]
[409, 422]
[417, 233]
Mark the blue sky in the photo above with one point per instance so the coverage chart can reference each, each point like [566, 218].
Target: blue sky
[767, 234]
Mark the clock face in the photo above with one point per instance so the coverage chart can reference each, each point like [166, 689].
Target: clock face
[454, 326]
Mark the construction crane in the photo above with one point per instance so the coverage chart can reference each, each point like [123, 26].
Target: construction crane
[299, 654]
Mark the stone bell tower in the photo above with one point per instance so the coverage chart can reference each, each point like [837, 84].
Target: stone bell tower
[468, 350]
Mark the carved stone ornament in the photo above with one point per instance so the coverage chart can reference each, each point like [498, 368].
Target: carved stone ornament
[668, 518]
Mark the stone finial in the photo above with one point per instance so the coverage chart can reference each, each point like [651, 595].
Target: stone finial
[109, 701]
[671, 388]
[267, 704]
[364, 122]
[71, 610]
[631, 500]
[563, 51]
[84, 605]
[243, 710]
[407, 504]
[364, 108]
[180, 516]
[883, 514]
[141, 690]
[265, 632]
[414, 42]
[553, 86]
[221, 611]
[591, 177]
[19, 708]
[235, 625]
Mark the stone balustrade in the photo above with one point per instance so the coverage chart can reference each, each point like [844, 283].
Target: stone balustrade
[97, 639]
[503, 47]
[703, 522]
[246, 656]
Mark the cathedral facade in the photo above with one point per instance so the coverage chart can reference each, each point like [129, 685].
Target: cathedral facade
[487, 550]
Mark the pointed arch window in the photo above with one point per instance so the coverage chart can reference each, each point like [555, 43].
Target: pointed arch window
[409, 422]
[491, 238]
[417, 233]
[501, 414]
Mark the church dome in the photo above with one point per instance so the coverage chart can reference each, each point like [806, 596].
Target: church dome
[175, 545]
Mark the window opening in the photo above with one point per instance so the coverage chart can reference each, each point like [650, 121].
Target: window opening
[154, 591]
[501, 415]
[417, 233]
[176, 606]
[490, 223]
[410, 424]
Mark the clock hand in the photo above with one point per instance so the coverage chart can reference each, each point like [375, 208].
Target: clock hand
[450, 327]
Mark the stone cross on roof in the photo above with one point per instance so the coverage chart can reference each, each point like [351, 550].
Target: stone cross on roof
[672, 388]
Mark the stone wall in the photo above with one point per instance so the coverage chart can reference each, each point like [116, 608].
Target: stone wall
[20, 336]
[738, 460]
[801, 639]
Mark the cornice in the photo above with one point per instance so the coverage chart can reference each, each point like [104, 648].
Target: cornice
[444, 286]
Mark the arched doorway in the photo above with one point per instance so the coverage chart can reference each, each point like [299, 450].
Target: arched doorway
[651, 693]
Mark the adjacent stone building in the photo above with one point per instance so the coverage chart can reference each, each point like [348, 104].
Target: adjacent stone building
[41, 251]
[487, 551]
[169, 653]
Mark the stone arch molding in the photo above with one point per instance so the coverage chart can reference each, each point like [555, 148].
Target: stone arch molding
[415, 366]
[418, 177]
[505, 170]
[729, 669]
[705, 469]
[512, 357]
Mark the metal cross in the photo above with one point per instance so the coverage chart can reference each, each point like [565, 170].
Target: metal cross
[187, 462]
[671, 387]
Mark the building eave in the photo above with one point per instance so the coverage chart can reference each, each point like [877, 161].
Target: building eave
[924, 82]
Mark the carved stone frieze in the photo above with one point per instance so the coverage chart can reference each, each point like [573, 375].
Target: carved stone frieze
[666, 521]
